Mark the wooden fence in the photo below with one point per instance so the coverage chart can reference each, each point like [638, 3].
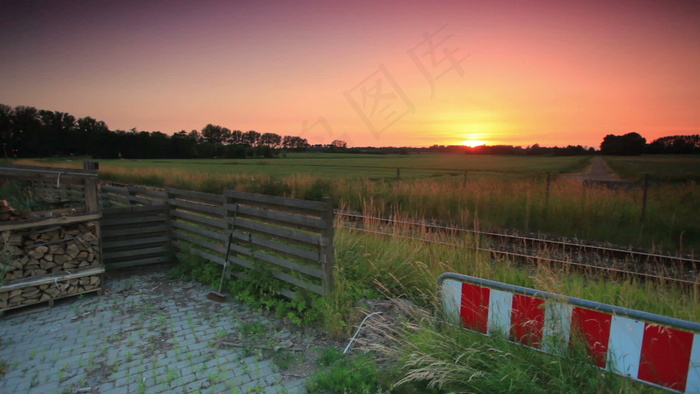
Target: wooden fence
[291, 240]
[120, 195]
[135, 235]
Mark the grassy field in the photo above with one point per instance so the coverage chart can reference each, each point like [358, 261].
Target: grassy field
[348, 166]
[505, 193]
[661, 168]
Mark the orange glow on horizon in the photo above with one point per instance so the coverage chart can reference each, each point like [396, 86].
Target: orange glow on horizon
[473, 143]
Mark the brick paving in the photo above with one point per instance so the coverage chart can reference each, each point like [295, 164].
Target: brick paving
[147, 334]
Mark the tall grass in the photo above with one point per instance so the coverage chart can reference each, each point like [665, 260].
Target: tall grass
[405, 267]
[495, 203]
[570, 210]
[450, 359]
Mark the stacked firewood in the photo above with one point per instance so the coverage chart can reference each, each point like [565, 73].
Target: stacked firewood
[31, 295]
[50, 250]
[34, 263]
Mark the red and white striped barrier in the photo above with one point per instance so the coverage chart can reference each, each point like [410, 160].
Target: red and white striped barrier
[650, 348]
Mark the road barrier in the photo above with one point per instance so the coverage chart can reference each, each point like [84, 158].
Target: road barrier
[653, 349]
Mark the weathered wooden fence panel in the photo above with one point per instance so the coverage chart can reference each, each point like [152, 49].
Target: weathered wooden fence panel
[197, 224]
[287, 238]
[291, 239]
[134, 236]
[291, 236]
[116, 195]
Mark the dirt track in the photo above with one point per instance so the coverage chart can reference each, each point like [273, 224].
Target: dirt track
[598, 171]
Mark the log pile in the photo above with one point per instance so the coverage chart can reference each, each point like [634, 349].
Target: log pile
[31, 295]
[48, 251]
[35, 263]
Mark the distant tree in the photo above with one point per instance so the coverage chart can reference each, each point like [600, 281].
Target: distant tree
[90, 125]
[196, 136]
[263, 151]
[6, 117]
[294, 143]
[236, 137]
[251, 138]
[96, 138]
[287, 141]
[216, 134]
[339, 144]
[675, 144]
[184, 146]
[630, 144]
[271, 140]
[59, 134]
[534, 150]
[26, 132]
[206, 150]
[496, 150]
[235, 151]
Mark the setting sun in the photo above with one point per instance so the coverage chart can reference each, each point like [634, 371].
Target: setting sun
[473, 143]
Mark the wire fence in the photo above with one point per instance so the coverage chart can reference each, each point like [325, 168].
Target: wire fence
[661, 263]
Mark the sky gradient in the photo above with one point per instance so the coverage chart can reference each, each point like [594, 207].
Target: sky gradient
[380, 73]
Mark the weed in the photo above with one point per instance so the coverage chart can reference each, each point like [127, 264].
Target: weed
[357, 375]
[214, 378]
[4, 367]
[283, 359]
[142, 385]
[253, 328]
[171, 374]
[35, 381]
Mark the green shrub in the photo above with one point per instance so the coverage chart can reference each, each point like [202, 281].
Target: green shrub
[345, 374]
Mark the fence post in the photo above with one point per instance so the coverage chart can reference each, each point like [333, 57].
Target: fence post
[91, 165]
[130, 194]
[229, 221]
[398, 177]
[549, 184]
[92, 198]
[327, 250]
[169, 208]
[644, 197]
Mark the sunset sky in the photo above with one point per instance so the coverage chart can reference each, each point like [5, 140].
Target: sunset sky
[374, 73]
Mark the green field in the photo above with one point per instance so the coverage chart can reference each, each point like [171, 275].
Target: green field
[661, 168]
[335, 166]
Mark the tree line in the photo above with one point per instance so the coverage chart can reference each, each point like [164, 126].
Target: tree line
[633, 144]
[30, 132]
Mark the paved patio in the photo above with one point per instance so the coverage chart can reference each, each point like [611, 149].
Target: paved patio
[151, 334]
